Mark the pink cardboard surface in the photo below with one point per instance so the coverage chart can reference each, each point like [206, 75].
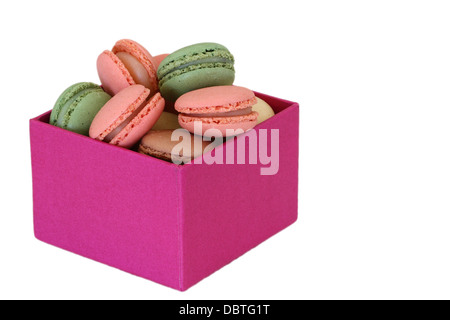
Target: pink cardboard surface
[172, 224]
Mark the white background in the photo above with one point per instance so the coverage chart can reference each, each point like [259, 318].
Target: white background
[373, 82]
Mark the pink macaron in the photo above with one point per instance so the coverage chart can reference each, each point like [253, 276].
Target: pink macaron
[128, 63]
[227, 109]
[158, 59]
[127, 116]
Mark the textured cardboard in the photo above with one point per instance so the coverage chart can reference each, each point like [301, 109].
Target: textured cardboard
[172, 224]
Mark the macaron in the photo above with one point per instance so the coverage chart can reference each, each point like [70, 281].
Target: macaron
[77, 106]
[264, 110]
[128, 63]
[127, 117]
[225, 108]
[158, 59]
[167, 120]
[193, 67]
[162, 145]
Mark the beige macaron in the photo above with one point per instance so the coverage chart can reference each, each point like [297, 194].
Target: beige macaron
[173, 146]
[264, 110]
[167, 121]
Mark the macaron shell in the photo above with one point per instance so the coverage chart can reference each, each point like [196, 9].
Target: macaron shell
[83, 114]
[141, 124]
[127, 45]
[216, 99]
[113, 74]
[228, 126]
[208, 77]
[117, 110]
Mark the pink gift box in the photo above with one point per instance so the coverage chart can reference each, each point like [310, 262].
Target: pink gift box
[172, 224]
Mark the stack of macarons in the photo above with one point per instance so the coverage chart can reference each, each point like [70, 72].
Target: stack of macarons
[144, 99]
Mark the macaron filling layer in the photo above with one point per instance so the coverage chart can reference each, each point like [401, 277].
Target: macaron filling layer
[142, 122]
[126, 122]
[135, 68]
[138, 104]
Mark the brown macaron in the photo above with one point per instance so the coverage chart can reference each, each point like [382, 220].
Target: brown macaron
[161, 145]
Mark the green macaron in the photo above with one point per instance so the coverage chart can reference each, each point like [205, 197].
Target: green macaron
[197, 66]
[77, 106]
